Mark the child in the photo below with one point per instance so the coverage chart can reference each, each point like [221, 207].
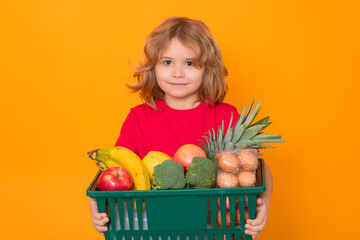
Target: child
[182, 82]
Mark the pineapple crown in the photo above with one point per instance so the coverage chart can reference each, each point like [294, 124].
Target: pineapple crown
[243, 135]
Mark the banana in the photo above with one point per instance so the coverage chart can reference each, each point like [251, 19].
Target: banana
[104, 163]
[129, 161]
[154, 158]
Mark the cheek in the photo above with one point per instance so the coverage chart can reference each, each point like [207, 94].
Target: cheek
[159, 77]
[198, 76]
[159, 72]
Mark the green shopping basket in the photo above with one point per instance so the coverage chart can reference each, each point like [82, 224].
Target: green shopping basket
[182, 214]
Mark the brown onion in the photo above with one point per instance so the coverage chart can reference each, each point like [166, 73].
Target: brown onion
[228, 162]
[227, 180]
[248, 160]
[247, 178]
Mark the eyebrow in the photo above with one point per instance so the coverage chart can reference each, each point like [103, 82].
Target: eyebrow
[166, 57]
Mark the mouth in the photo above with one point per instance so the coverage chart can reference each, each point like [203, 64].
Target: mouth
[178, 84]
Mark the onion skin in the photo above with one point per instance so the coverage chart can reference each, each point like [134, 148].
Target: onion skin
[247, 178]
[248, 160]
[228, 162]
[227, 180]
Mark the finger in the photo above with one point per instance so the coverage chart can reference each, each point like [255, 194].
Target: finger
[260, 217]
[252, 233]
[100, 222]
[101, 229]
[257, 228]
[254, 224]
[99, 216]
[257, 221]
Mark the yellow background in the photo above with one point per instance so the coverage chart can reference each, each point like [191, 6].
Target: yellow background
[63, 68]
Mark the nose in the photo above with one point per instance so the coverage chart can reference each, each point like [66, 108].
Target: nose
[178, 72]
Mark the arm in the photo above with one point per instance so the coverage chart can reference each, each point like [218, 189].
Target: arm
[266, 196]
[255, 226]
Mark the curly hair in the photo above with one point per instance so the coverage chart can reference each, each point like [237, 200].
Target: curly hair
[195, 35]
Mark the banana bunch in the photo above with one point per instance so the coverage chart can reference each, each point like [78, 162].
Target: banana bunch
[125, 158]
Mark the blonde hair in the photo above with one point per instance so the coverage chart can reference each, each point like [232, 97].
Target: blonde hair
[194, 34]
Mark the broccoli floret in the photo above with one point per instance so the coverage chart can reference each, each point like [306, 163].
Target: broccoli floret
[168, 175]
[201, 173]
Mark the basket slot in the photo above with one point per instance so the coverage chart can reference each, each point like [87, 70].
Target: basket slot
[222, 203]
[247, 237]
[111, 204]
[252, 205]
[238, 235]
[101, 202]
[181, 236]
[130, 235]
[241, 202]
[130, 211]
[139, 211]
[120, 204]
[232, 209]
[213, 210]
[252, 212]
[136, 237]
[200, 237]
[218, 236]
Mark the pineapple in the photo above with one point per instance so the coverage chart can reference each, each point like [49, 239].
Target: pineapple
[243, 135]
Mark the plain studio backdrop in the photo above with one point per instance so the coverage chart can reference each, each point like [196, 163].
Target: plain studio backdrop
[64, 65]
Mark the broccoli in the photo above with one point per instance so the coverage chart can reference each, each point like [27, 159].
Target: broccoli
[201, 173]
[168, 175]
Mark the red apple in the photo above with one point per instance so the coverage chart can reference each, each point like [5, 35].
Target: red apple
[115, 179]
[186, 153]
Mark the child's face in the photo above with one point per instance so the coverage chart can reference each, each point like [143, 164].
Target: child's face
[177, 76]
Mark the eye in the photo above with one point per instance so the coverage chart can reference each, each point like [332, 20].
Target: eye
[189, 63]
[167, 62]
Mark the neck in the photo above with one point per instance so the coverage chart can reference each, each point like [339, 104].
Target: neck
[182, 105]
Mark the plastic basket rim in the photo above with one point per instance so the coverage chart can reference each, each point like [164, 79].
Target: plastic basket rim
[176, 192]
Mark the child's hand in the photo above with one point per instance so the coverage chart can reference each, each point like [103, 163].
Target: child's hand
[98, 219]
[255, 226]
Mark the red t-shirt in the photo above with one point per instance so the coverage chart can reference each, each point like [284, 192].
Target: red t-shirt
[146, 129]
